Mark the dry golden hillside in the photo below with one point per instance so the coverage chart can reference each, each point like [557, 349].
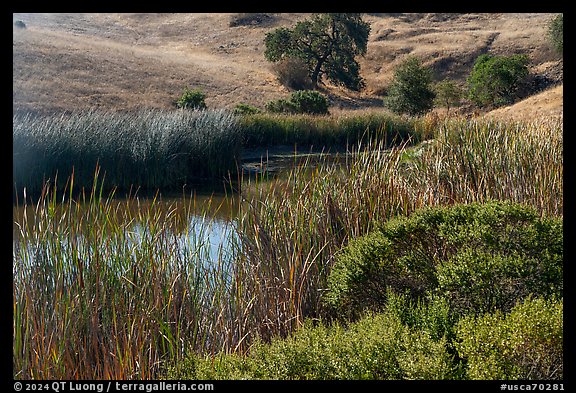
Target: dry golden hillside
[548, 103]
[129, 61]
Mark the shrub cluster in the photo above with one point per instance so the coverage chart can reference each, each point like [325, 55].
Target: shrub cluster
[376, 347]
[304, 101]
[480, 257]
[526, 343]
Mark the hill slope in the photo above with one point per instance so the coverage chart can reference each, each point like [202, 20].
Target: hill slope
[127, 61]
[548, 103]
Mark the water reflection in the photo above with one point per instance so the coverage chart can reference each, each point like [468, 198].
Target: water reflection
[199, 228]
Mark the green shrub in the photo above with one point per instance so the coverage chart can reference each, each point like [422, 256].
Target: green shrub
[304, 101]
[411, 90]
[494, 80]
[429, 252]
[281, 106]
[527, 343]
[375, 347]
[432, 315]
[245, 109]
[556, 32]
[192, 99]
[309, 101]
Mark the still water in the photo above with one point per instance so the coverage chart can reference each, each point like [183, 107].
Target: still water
[200, 219]
[203, 218]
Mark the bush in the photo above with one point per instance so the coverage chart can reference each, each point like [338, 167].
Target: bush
[309, 101]
[20, 24]
[306, 101]
[556, 32]
[411, 91]
[494, 80]
[192, 99]
[477, 255]
[245, 109]
[281, 106]
[527, 343]
[292, 73]
[375, 347]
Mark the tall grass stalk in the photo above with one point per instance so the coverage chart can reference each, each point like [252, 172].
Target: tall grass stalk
[106, 290]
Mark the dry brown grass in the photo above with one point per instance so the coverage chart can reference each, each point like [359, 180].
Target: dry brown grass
[548, 103]
[129, 61]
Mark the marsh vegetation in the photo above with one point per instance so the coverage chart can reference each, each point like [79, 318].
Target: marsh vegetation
[144, 300]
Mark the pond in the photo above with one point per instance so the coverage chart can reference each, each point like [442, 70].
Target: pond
[203, 219]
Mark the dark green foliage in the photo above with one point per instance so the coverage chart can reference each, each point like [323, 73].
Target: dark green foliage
[411, 90]
[527, 343]
[192, 99]
[479, 257]
[305, 101]
[20, 24]
[309, 101]
[281, 106]
[556, 33]
[494, 80]
[245, 109]
[327, 43]
[375, 347]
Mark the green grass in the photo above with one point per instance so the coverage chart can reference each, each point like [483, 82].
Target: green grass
[266, 129]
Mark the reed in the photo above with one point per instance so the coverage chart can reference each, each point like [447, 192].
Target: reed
[106, 290]
[149, 149]
[266, 129]
[103, 292]
[292, 227]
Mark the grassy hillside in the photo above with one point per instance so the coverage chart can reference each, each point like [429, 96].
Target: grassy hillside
[130, 61]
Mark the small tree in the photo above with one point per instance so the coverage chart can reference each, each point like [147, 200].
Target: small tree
[556, 32]
[411, 91]
[192, 99]
[327, 43]
[448, 94]
[494, 80]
